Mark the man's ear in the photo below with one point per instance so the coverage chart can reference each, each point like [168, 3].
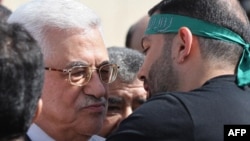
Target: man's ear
[185, 39]
[38, 109]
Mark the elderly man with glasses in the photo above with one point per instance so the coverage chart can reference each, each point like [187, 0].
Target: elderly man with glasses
[77, 69]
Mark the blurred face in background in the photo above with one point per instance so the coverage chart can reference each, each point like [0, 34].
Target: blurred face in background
[123, 100]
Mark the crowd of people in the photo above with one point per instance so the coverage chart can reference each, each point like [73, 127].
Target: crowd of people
[183, 73]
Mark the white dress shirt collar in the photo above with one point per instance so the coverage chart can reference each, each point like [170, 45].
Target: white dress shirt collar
[35, 133]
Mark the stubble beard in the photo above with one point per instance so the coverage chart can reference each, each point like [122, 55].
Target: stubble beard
[162, 76]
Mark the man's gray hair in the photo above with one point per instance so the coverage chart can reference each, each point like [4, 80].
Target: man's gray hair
[38, 16]
[129, 61]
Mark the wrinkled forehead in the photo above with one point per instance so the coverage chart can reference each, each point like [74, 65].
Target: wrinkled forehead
[65, 47]
[120, 84]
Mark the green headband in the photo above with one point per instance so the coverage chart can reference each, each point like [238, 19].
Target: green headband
[169, 23]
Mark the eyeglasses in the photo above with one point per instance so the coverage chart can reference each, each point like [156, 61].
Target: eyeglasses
[80, 75]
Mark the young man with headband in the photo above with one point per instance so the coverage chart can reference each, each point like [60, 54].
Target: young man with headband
[196, 70]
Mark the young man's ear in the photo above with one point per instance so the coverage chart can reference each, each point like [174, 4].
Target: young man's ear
[184, 39]
[38, 109]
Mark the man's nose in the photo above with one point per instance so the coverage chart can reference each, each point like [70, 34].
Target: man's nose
[127, 112]
[95, 86]
[140, 74]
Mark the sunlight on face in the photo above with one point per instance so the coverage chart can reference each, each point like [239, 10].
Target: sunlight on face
[80, 109]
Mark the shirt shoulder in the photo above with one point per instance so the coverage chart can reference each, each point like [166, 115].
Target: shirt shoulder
[96, 138]
[163, 115]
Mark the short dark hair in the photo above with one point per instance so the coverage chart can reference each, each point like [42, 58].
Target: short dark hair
[129, 35]
[217, 12]
[128, 60]
[21, 79]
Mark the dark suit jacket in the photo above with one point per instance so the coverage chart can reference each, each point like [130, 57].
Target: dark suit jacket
[27, 138]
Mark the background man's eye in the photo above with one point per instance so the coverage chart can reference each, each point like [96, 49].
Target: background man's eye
[114, 108]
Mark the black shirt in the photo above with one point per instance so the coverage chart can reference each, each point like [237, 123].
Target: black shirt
[198, 115]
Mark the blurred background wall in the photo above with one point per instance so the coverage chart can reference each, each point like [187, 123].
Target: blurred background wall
[116, 15]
